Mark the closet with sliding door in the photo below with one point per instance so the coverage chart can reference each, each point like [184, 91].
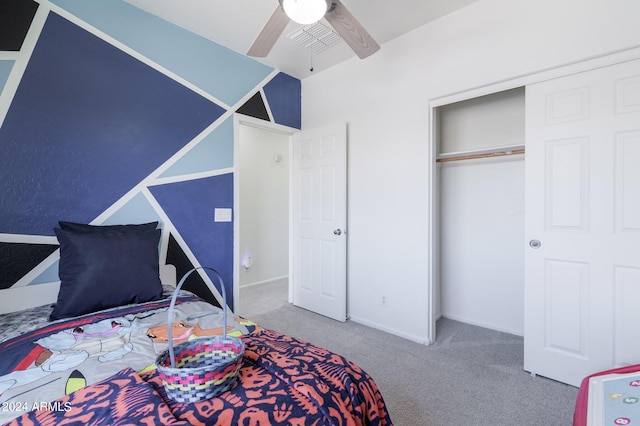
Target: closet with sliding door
[481, 182]
[547, 251]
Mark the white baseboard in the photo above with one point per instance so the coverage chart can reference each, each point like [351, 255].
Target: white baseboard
[483, 325]
[400, 333]
[269, 281]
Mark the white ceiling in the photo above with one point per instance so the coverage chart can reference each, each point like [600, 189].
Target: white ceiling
[236, 23]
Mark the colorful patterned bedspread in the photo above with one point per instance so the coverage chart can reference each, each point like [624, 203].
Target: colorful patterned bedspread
[99, 369]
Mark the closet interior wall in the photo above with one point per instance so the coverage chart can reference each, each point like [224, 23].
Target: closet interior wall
[480, 172]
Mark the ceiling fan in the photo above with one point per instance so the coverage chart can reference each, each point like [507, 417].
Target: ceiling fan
[308, 12]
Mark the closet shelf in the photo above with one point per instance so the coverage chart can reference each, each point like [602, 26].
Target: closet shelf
[488, 153]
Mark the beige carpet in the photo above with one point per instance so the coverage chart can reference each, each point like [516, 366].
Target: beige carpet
[470, 377]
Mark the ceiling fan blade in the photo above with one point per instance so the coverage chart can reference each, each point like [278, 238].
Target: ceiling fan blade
[351, 31]
[269, 35]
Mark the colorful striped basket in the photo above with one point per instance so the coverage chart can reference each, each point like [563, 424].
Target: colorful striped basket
[200, 369]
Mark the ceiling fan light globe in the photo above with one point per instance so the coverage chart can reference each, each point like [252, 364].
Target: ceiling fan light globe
[305, 11]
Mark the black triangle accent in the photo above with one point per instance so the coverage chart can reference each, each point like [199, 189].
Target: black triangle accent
[17, 259]
[254, 107]
[15, 19]
[194, 283]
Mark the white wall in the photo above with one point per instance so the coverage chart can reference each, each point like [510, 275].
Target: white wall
[385, 101]
[264, 204]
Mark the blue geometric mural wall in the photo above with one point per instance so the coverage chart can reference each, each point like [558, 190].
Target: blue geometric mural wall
[107, 117]
[15, 20]
[102, 134]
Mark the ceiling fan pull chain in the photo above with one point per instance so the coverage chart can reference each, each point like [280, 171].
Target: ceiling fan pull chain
[311, 68]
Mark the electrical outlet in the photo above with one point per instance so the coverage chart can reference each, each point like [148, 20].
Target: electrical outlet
[247, 262]
[383, 300]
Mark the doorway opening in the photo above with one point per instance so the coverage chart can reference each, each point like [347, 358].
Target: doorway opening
[262, 197]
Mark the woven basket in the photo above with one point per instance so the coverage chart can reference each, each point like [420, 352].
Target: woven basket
[200, 369]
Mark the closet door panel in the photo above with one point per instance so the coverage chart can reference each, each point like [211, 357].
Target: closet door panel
[566, 194]
[582, 209]
[627, 182]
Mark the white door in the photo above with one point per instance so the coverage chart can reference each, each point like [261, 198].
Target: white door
[582, 267]
[319, 220]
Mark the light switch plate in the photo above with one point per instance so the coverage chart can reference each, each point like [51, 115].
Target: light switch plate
[222, 215]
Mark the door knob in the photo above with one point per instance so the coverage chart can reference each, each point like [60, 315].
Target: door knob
[337, 231]
[535, 244]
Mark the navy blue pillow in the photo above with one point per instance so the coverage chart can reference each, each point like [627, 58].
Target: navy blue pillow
[101, 269]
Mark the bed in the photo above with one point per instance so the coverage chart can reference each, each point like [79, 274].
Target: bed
[90, 357]
[609, 397]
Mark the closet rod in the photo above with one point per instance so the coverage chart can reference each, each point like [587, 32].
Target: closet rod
[482, 155]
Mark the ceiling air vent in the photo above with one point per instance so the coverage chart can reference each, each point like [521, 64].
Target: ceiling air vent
[317, 37]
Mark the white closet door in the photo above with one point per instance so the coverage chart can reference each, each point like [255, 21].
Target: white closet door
[582, 266]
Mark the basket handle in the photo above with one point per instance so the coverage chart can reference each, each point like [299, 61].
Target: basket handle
[173, 302]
